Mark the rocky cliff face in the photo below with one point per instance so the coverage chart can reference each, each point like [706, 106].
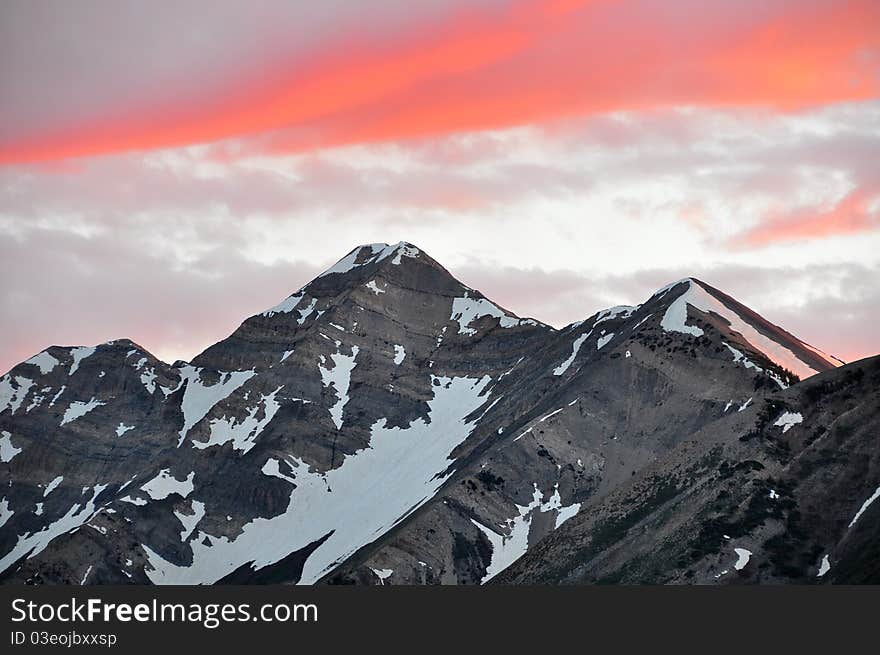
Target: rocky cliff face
[384, 424]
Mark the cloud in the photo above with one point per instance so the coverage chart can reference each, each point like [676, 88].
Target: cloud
[556, 221]
[580, 194]
[713, 156]
[857, 212]
[61, 288]
[482, 66]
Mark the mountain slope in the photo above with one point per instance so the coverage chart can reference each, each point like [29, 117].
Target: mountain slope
[610, 395]
[289, 413]
[782, 492]
[383, 417]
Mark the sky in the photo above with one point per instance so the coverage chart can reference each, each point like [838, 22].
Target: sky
[169, 169]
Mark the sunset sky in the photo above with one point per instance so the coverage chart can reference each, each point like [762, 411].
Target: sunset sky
[170, 168]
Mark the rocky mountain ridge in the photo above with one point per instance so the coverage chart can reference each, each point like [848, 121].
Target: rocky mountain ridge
[384, 424]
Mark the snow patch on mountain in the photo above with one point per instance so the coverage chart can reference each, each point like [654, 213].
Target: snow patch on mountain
[7, 449]
[382, 574]
[13, 391]
[466, 310]
[5, 512]
[199, 398]
[740, 358]
[79, 408]
[542, 419]
[78, 354]
[272, 468]
[567, 512]
[191, 520]
[165, 484]
[675, 320]
[864, 507]
[563, 512]
[642, 322]
[620, 311]
[524, 433]
[57, 395]
[339, 377]
[509, 547]
[551, 414]
[32, 544]
[345, 506]
[44, 361]
[285, 306]
[787, 420]
[122, 428]
[148, 375]
[372, 254]
[575, 347]
[242, 433]
[404, 249]
[36, 400]
[292, 303]
[53, 485]
[346, 264]
[742, 558]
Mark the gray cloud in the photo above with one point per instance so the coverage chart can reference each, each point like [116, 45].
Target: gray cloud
[767, 161]
[64, 289]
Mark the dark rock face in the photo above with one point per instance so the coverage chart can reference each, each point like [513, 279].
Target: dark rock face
[388, 425]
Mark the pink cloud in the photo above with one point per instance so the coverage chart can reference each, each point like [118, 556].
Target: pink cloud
[487, 66]
[853, 214]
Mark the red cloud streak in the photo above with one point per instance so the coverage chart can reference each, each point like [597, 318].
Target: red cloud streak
[849, 216]
[531, 61]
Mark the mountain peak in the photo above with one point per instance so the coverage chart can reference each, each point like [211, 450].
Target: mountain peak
[373, 253]
[405, 265]
[362, 266]
[777, 345]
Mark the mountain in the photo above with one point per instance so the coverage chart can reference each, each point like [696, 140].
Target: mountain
[387, 424]
[781, 492]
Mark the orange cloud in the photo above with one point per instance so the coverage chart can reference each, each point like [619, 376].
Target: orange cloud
[820, 53]
[851, 215]
[532, 61]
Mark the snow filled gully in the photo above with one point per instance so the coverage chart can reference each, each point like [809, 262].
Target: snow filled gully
[347, 507]
[507, 548]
